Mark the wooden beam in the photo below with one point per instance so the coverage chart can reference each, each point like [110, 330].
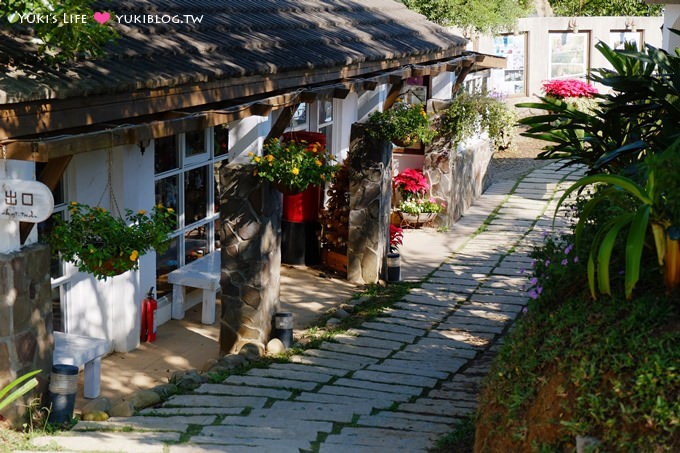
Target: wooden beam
[464, 71]
[341, 92]
[369, 85]
[282, 122]
[419, 71]
[392, 96]
[50, 176]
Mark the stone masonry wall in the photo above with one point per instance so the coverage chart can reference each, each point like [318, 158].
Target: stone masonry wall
[250, 233]
[370, 199]
[26, 341]
[458, 178]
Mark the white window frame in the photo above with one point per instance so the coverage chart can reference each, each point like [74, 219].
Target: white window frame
[187, 164]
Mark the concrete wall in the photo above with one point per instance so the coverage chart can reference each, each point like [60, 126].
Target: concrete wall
[538, 29]
[671, 19]
[26, 341]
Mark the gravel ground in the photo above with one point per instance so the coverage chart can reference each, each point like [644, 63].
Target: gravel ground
[516, 162]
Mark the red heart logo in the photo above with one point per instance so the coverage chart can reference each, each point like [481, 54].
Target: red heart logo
[102, 18]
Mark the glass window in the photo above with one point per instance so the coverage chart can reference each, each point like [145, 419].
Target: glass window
[167, 193]
[299, 120]
[194, 143]
[221, 139]
[325, 112]
[512, 47]
[166, 154]
[196, 243]
[568, 54]
[193, 191]
[195, 195]
[166, 263]
[618, 39]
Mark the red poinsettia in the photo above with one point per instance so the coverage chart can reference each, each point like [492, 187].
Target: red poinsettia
[411, 182]
[396, 238]
[568, 88]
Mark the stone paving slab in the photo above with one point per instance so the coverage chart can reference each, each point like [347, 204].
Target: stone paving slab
[355, 362]
[150, 423]
[375, 437]
[256, 444]
[407, 367]
[378, 386]
[394, 378]
[436, 407]
[352, 399]
[388, 420]
[215, 400]
[437, 363]
[384, 399]
[297, 375]
[265, 418]
[274, 382]
[378, 353]
[305, 410]
[380, 324]
[169, 411]
[309, 368]
[368, 342]
[241, 390]
[414, 323]
[383, 335]
[124, 442]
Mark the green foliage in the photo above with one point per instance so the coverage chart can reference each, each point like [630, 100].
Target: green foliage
[604, 8]
[25, 384]
[419, 206]
[294, 165]
[59, 40]
[473, 15]
[637, 118]
[470, 113]
[460, 440]
[619, 364]
[105, 245]
[402, 123]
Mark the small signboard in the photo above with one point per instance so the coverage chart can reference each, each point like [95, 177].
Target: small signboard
[25, 201]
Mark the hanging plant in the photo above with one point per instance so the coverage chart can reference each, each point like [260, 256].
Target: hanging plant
[105, 245]
[294, 166]
[403, 124]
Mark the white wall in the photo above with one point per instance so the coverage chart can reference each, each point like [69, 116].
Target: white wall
[111, 309]
[671, 19]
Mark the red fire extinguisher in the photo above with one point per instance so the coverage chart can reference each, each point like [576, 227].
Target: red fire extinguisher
[149, 307]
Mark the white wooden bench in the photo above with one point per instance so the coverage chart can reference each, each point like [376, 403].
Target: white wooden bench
[78, 350]
[204, 274]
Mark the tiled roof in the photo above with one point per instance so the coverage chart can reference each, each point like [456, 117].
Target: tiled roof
[234, 39]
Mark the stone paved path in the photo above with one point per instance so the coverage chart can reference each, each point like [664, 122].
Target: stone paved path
[396, 383]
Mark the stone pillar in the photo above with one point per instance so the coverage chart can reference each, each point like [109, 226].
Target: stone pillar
[250, 233]
[26, 341]
[370, 190]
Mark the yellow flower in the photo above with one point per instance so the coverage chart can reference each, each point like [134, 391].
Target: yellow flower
[318, 162]
[74, 203]
[250, 154]
[295, 171]
[257, 159]
[141, 212]
[159, 205]
[170, 210]
[134, 255]
[270, 158]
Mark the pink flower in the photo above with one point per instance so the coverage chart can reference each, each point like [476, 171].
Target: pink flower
[568, 88]
[411, 181]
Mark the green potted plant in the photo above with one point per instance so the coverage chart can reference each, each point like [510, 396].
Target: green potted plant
[293, 166]
[403, 124]
[472, 113]
[105, 245]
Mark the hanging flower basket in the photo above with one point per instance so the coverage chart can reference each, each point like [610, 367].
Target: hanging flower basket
[105, 245]
[293, 166]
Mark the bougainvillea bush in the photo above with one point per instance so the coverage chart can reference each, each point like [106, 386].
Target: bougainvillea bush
[568, 88]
